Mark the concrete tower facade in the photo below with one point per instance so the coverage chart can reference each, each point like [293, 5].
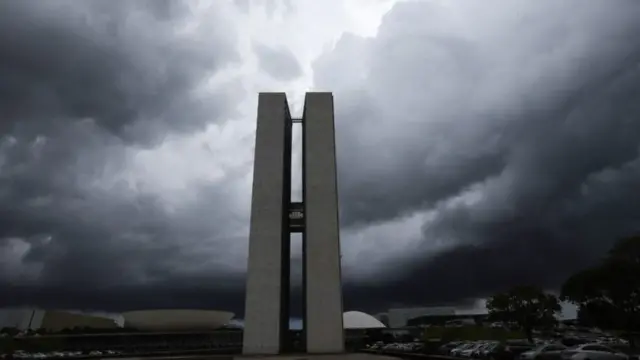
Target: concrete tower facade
[274, 217]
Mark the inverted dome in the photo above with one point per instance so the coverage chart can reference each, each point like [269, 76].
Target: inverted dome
[360, 320]
[171, 320]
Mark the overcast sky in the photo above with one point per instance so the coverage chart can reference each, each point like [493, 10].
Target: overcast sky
[481, 144]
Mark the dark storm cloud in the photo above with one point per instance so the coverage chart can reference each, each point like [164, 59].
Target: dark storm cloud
[123, 298]
[508, 129]
[83, 87]
[118, 63]
[90, 242]
[515, 137]
[456, 276]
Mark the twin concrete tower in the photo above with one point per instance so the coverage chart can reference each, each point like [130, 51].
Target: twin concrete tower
[274, 217]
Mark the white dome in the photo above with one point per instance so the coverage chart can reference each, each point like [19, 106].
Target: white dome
[360, 320]
[176, 319]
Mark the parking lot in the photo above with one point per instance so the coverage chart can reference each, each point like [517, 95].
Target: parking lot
[539, 349]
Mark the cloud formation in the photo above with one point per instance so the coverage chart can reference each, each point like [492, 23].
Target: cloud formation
[496, 131]
[480, 145]
[281, 63]
[120, 65]
[86, 91]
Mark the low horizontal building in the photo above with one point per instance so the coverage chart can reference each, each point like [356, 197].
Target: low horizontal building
[399, 317]
[448, 320]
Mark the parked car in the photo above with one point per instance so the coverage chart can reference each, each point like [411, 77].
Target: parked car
[456, 351]
[592, 352]
[511, 350]
[544, 352]
[446, 348]
[484, 351]
[468, 352]
[481, 352]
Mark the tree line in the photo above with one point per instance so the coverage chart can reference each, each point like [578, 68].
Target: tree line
[607, 295]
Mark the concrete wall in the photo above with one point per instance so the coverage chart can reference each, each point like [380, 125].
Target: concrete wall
[323, 312]
[263, 313]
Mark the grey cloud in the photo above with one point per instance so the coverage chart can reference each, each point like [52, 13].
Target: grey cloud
[280, 63]
[126, 298]
[514, 135]
[269, 6]
[512, 138]
[95, 241]
[83, 88]
[116, 63]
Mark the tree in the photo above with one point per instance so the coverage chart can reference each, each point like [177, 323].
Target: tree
[608, 294]
[11, 331]
[527, 306]
[598, 314]
[625, 250]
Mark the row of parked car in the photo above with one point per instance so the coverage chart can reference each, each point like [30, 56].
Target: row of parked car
[473, 349]
[524, 350]
[20, 354]
[397, 347]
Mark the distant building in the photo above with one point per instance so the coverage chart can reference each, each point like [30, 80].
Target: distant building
[383, 318]
[52, 320]
[448, 320]
[399, 317]
[360, 320]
